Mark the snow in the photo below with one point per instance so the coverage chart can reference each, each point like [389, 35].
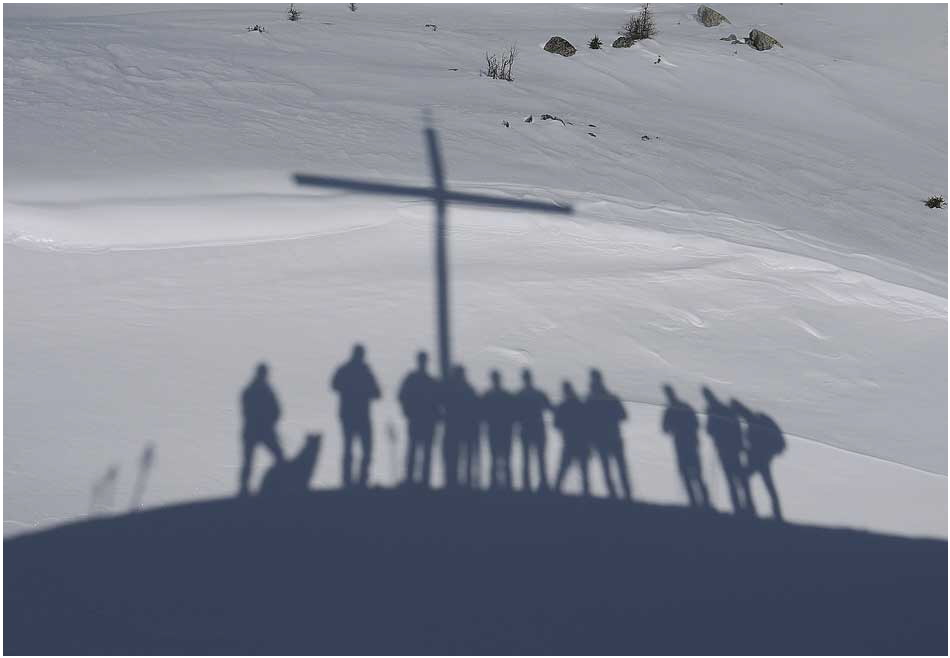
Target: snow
[770, 241]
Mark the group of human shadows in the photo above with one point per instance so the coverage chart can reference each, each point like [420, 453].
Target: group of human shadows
[746, 441]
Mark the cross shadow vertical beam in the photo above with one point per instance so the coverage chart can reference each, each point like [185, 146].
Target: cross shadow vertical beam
[441, 254]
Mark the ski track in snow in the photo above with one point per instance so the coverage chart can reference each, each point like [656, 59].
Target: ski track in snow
[810, 330]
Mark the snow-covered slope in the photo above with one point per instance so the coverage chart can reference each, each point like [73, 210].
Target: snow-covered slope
[769, 240]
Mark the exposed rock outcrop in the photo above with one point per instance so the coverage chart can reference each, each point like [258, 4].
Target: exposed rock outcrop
[560, 46]
[762, 41]
[709, 16]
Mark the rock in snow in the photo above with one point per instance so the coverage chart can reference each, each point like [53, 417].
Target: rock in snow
[709, 16]
[762, 41]
[560, 46]
[623, 42]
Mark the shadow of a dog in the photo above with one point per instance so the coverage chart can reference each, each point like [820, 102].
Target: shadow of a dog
[293, 475]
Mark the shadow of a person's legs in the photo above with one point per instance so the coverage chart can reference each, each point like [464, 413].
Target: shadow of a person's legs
[766, 471]
[426, 475]
[543, 462]
[585, 476]
[702, 491]
[608, 478]
[412, 455]
[566, 461]
[366, 444]
[247, 465]
[347, 457]
[525, 464]
[687, 479]
[475, 465]
[621, 460]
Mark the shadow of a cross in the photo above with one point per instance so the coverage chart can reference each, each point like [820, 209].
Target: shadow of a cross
[442, 197]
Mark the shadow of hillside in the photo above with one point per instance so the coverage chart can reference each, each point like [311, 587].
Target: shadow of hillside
[400, 571]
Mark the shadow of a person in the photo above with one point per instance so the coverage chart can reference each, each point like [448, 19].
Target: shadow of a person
[261, 411]
[605, 412]
[420, 397]
[357, 387]
[725, 430]
[680, 422]
[764, 441]
[569, 418]
[461, 430]
[471, 440]
[499, 412]
[531, 403]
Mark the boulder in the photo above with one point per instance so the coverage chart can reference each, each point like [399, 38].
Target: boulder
[560, 46]
[709, 16]
[762, 41]
[623, 42]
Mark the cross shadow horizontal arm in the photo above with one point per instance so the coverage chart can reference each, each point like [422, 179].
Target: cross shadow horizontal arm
[502, 202]
[429, 193]
[365, 186]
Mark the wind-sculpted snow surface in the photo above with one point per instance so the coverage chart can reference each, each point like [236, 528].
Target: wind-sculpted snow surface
[838, 136]
[772, 242]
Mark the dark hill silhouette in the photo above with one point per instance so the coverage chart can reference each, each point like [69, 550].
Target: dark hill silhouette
[393, 572]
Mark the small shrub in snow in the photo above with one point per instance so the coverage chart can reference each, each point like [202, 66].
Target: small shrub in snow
[595, 43]
[352, 6]
[256, 28]
[498, 66]
[641, 26]
[491, 65]
[935, 201]
[293, 14]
